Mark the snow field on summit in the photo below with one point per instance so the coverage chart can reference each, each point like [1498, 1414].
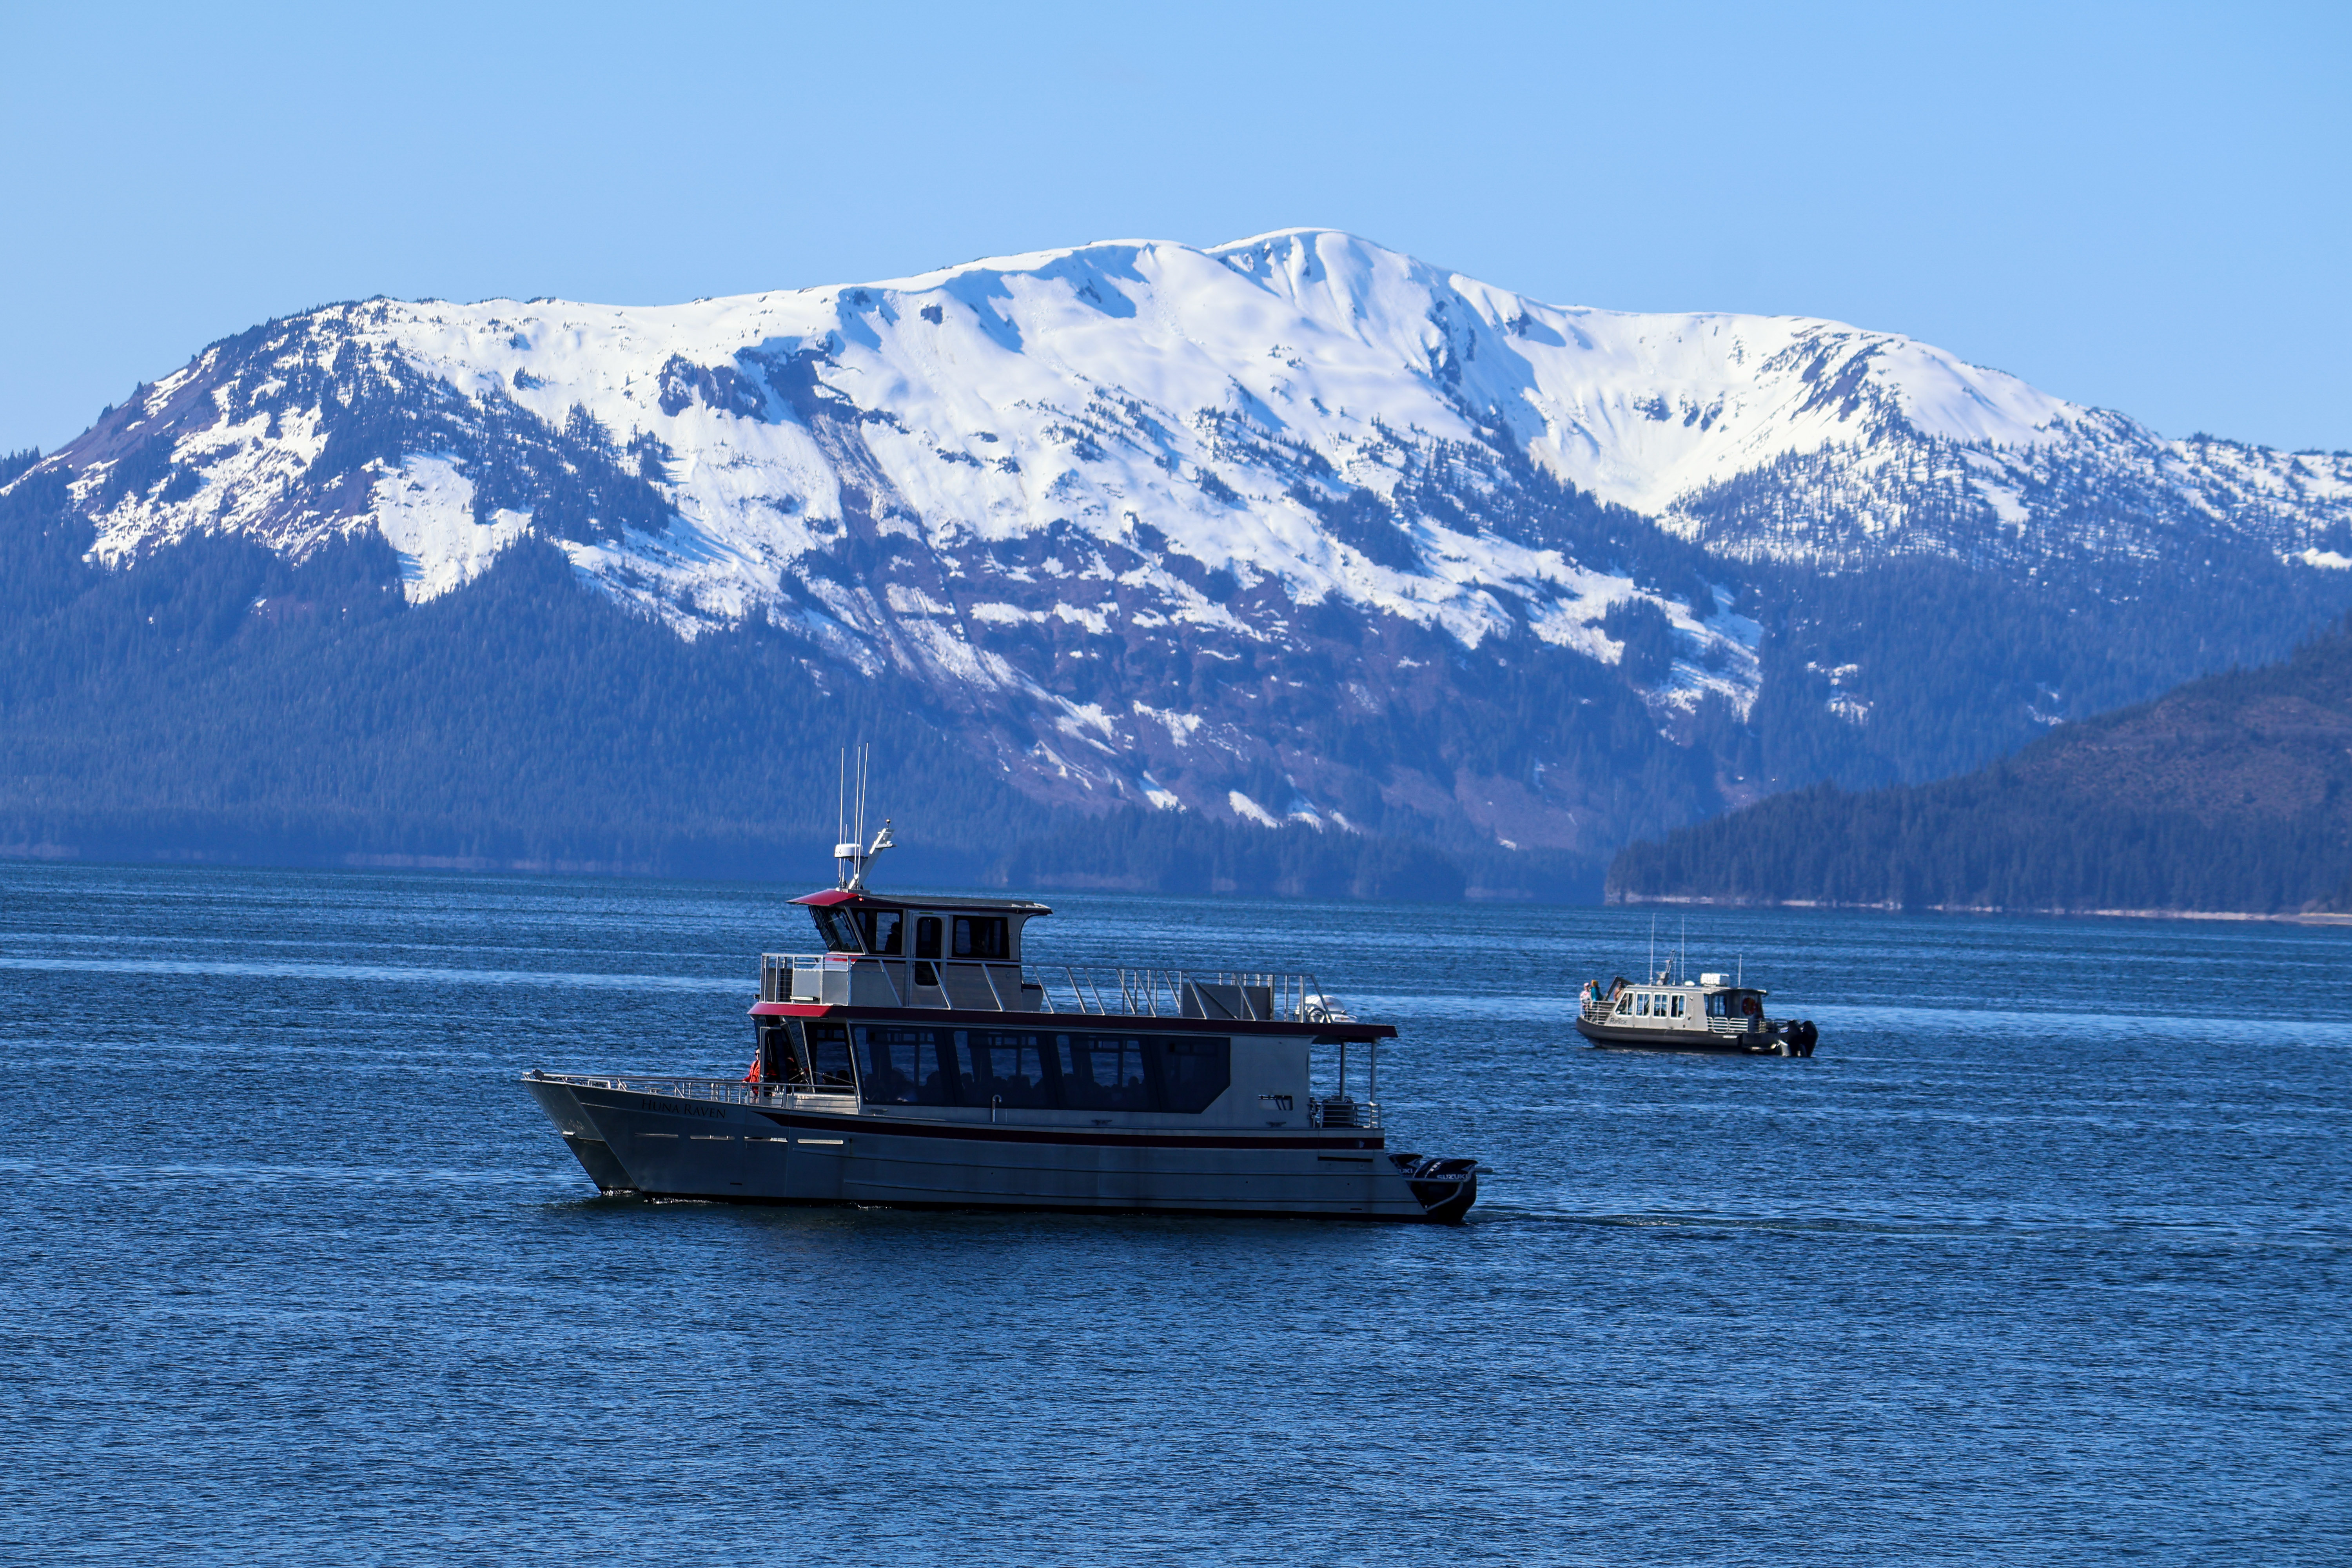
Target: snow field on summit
[1017, 422]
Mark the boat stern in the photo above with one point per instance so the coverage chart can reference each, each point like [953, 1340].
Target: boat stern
[1444, 1188]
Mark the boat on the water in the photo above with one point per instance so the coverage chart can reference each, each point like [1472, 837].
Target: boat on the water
[923, 1059]
[1673, 1013]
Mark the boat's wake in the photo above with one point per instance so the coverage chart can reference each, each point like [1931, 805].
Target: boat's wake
[1960, 1226]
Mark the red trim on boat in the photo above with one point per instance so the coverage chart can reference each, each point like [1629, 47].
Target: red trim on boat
[830, 897]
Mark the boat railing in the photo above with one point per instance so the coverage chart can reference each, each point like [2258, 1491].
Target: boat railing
[1339, 1110]
[1239, 993]
[1119, 991]
[776, 971]
[723, 1091]
[1324, 1110]
[1604, 1010]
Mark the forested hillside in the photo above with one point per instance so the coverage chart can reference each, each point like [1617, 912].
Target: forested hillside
[218, 700]
[222, 704]
[2231, 794]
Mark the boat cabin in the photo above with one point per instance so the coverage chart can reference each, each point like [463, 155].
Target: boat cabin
[915, 979]
[883, 952]
[1666, 1004]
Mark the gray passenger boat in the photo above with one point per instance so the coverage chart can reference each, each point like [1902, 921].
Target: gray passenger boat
[1672, 1013]
[923, 1059]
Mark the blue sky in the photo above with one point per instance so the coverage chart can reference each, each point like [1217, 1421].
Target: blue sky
[2145, 207]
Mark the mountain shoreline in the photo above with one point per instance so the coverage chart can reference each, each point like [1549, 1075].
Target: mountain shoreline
[2231, 794]
[2298, 917]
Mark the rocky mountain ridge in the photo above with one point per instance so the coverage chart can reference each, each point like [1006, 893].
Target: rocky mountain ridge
[1296, 528]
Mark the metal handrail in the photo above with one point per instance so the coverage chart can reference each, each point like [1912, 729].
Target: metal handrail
[1297, 997]
[1330, 1112]
[1606, 1007]
[1152, 992]
[1337, 1111]
[729, 1091]
[1714, 1026]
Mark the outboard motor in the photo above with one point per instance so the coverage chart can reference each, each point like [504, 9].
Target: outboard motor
[1445, 1187]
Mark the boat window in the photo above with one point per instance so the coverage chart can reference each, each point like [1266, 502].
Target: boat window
[1625, 1003]
[1678, 1006]
[880, 929]
[1642, 1006]
[780, 1054]
[998, 1065]
[1183, 1073]
[903, 1066]
[836, 931]
[828, 1049]
[980, 936]
[1193, 1071]
[1102, 1072]
[927, 937]
[1715, 1007]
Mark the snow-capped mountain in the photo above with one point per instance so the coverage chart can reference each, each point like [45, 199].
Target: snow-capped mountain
[986, 476]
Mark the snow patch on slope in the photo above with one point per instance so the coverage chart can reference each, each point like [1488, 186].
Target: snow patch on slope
[426, 510]
[950, 474]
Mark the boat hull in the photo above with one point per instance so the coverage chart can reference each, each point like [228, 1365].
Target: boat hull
[1622, 1037]
[829, 1150]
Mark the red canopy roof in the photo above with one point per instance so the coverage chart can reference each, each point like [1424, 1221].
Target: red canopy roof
[831, 897]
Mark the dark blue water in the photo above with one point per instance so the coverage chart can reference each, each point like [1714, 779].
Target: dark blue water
[2045, 1257]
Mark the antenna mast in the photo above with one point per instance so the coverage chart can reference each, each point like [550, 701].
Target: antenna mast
[851, 855]
[845, 848]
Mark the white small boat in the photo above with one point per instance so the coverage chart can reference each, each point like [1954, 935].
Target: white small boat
[921, 1059]
[1673, 1013]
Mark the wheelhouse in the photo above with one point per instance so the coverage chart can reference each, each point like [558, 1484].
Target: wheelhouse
[962, 953]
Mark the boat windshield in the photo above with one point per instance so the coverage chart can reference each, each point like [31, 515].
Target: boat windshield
[836, 929]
